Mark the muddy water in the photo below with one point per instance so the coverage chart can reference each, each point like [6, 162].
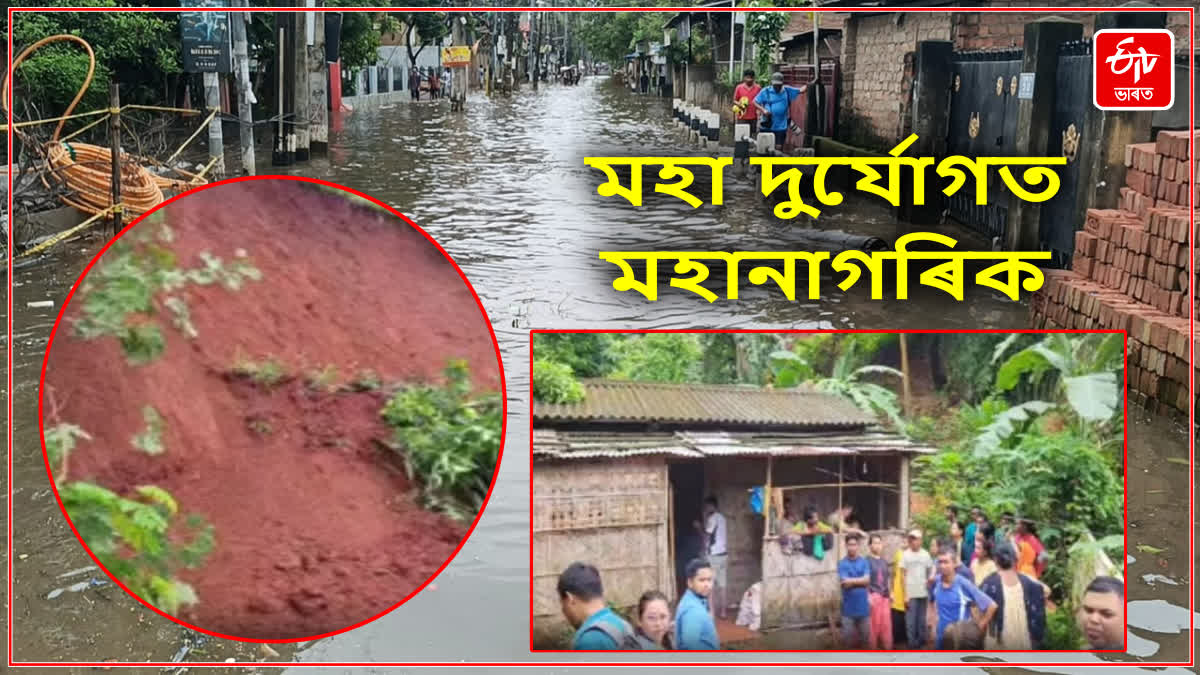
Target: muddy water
[505, 191]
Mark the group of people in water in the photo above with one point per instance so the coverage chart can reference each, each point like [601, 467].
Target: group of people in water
[977, 589]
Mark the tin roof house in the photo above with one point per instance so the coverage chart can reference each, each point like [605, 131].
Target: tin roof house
[619, 479]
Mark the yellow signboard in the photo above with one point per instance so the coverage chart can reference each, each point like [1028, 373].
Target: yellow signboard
[453, 57]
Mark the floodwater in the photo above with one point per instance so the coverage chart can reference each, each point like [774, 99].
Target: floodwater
[504, 189]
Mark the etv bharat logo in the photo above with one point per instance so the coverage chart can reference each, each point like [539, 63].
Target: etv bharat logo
[1133, 69]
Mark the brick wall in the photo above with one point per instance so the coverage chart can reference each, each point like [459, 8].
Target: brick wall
[875, 51]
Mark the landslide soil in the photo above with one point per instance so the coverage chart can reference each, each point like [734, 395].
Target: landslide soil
[316, 529]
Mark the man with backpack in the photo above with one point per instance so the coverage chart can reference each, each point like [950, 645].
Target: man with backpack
[581, 595]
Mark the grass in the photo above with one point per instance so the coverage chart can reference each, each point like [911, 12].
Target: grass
[268, 372]
[366, 380]
[260, 427]
[323, 380]
[150, 441]
[448, 438]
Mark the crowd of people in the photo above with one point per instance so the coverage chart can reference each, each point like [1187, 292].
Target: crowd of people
[977, 589]
[437, 82]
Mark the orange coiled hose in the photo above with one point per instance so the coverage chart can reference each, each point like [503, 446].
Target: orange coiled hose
[85, 169]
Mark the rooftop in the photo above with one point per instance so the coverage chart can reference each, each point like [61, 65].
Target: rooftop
[728, 406]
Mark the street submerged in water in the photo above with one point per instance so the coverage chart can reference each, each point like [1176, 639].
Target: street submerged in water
[504, 189]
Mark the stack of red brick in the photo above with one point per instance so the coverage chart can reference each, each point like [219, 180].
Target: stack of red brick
[1130, 273]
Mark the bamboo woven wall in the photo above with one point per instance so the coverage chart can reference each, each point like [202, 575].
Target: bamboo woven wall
[801, 589]
[609, 513]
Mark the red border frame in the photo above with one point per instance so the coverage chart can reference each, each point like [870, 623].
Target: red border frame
[1125, 483]
[1191, 11]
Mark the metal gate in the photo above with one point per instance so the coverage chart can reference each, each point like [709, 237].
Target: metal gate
[1060, 215]
[983, 123]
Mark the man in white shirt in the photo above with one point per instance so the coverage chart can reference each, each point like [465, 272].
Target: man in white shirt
[717, 552]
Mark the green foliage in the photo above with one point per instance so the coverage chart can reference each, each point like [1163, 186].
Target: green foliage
[60, 442]
[588, 354]
[268, 372]
[763, 29]
[1062, 631]
[1080, 369]
[119, 295]
[659, 357]
[847, 371]
[554, 383]
[150, 441]
[134, 539]
[448, 438]
[139, 49]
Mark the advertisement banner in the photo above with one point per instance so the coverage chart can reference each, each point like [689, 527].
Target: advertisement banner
[206, 47]
[454, 57]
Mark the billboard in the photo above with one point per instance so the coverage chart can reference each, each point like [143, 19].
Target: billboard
[206, 47]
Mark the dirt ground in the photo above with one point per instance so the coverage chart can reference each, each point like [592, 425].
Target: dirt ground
[315, 529]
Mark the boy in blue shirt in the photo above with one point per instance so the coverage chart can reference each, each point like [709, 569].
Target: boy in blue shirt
[855, 574]
[773, 104]
[694, 626]
[953, 596]
[582, 598]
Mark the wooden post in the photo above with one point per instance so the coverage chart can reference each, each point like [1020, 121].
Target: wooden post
[114, 136]
[671, 531]
[904, 491]
[904, 370]
[837, 539]
[767, 501]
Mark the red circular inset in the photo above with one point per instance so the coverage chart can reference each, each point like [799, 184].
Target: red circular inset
[253, 408]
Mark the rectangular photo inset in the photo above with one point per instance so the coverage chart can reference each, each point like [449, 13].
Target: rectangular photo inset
[828, 491]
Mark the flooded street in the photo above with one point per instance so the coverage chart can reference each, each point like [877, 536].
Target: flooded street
[505, 191]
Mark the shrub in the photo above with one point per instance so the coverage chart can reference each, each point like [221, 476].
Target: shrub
[554, 383]
[448, 438]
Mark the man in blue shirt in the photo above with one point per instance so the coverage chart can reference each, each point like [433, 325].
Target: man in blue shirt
[694, 627]
[855, 574]
[773, 103]
[953, 596]
[582, 598]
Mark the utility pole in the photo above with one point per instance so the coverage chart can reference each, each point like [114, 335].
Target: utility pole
[318, 84]
[280, 157]
[458, 83]
[302, 37]
[536, 35]
[241, 64]
[216, 143]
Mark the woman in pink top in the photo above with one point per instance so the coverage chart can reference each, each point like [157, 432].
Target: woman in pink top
[746, 91]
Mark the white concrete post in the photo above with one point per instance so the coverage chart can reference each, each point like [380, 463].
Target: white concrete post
[373, 78]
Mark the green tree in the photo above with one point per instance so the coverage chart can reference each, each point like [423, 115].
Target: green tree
[586, 354]
[426, 28]
[659, 357]
[140, 50]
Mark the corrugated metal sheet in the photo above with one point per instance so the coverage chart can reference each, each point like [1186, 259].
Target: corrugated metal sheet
[551, 444]
[733, 405]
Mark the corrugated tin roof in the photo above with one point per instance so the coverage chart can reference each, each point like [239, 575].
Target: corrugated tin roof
[556, 444]
[732, 405]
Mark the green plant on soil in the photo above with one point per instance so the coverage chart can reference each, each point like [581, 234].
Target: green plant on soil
[150, 441]
[448, 438]
[366, 380]
[119, 297]
[269, 372]
[323, 380]
[260, 426]
[140, 539]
